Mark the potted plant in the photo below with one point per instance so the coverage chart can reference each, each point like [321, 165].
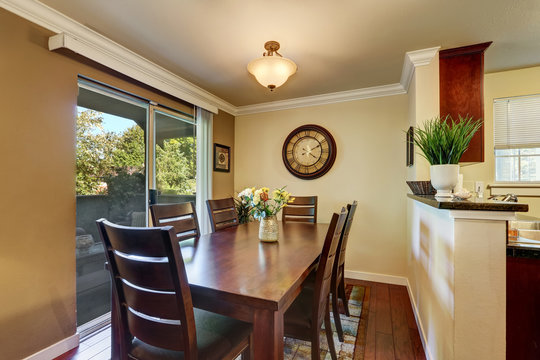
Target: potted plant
[443, 142]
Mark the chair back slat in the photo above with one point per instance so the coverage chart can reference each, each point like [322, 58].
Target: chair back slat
[160, 333]
[302, 208]
[182, 217]
[304, 219]
[342, 247]
[326, 263]
[225, 216]
[304, 200]
[142, 241]
[222, 213]
[157, 304]
[150, 275]
[150, 286]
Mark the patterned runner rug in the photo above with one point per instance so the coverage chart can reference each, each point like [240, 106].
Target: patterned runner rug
[352, 348]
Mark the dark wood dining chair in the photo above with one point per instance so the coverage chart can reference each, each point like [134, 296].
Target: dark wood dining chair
[182, 217]
[338, 273]
[156, 319]
[303, 208]
[222, 213]
[304, 318]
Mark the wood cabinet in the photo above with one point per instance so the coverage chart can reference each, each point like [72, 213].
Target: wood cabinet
[461, 86]
[522, 304]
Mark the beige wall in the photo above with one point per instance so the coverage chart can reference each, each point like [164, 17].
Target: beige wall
[370, 167]
[431, 277]
[38, 96]
[459, 282]
[423, 105]
[37, 267]
[223, 133]
[426, 257]
[497, 85]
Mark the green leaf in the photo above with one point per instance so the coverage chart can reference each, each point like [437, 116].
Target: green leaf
[443, 141]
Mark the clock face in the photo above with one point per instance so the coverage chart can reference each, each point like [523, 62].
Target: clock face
[309, 152]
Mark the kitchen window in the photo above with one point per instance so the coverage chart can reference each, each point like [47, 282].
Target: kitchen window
[517, 139]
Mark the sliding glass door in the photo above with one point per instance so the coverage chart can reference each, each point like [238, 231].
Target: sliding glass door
[125, 146]
[175, 156]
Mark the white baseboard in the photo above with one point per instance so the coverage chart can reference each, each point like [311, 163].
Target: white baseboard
[57, 349]
[382, 278]
[423, 337]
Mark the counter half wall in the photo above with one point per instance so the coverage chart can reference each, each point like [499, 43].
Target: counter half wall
[457, 275]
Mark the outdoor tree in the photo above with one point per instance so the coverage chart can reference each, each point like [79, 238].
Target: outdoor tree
[129, 152]
[93, 146]
[175, 166]
[113, 163]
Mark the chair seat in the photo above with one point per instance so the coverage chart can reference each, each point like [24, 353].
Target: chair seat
[300, 313]
[217, 335]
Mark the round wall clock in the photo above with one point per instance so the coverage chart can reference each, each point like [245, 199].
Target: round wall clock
[309, 152]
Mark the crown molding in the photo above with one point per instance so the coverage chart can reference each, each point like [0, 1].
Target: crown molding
[350, 95]
[82, 40]
[414, 59]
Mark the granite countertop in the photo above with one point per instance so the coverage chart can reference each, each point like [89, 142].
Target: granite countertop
[470, 204]
[523, 252]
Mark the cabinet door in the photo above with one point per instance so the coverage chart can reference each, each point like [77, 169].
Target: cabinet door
[522, 308]
[461, 86]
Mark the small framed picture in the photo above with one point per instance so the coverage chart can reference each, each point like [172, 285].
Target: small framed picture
[410, 146]
[222, 158]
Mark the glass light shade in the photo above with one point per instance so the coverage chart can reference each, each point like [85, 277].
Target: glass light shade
[272, 71]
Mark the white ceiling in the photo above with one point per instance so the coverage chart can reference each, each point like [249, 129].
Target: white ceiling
[338, 45]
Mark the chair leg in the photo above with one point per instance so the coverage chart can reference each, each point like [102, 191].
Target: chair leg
[335, 311]
[342, 295]
[315, 344]
[328, 331]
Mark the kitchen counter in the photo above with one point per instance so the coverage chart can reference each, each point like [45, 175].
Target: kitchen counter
[523, 252]
[469, 204]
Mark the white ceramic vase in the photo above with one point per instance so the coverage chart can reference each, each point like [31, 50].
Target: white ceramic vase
[444, 178]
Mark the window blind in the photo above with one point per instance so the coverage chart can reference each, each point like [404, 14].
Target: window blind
[517, 122]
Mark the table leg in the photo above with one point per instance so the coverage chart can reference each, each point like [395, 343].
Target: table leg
[268, 335]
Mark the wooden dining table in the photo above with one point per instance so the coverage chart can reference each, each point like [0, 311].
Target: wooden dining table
[233, 273]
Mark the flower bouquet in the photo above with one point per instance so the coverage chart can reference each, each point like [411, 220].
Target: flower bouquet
[243, 208]
[264, 208]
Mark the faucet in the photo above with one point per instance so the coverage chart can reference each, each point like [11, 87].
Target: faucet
[507, 198]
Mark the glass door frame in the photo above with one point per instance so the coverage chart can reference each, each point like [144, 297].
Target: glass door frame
[151, 158]
[151, 107]
[98, 323]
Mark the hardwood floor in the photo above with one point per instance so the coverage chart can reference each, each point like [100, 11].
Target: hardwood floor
[391, 328]
[388, 321]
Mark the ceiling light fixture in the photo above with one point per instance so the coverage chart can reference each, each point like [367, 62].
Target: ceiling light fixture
[269, 70]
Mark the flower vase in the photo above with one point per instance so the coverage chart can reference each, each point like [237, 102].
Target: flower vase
[268, 229]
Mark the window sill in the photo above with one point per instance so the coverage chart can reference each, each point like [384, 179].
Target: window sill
[518, 189]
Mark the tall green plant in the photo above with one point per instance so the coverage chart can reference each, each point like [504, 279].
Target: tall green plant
[443, 141]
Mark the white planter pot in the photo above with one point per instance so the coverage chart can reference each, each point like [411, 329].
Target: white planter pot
[444, 178]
